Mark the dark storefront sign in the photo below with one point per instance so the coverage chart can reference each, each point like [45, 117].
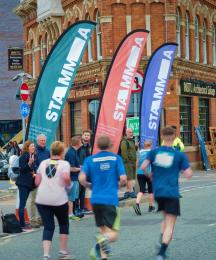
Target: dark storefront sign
[88, 91]
[198, 88]
[15, 59]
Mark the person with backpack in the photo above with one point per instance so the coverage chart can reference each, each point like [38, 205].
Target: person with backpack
[52, 179]
[128, 154]
[25, 180]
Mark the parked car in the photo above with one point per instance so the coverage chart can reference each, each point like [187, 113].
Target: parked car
[4, 165]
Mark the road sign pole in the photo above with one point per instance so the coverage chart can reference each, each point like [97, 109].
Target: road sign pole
[23, 118]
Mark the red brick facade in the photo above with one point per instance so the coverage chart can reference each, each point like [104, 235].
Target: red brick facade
[117, 18]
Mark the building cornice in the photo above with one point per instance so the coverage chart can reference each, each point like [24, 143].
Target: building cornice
[26, 9]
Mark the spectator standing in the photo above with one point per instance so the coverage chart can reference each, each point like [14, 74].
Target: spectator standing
[25, 181]
[102, 172]
[177, 143]
[167, 163]
[144, 180]
[42, 154]
[53, 176]
[72, 157]
[83, 153]
[128, 153]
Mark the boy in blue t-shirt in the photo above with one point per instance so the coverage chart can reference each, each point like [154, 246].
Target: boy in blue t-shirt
[102, 173]
[144, 179]
[167, 163]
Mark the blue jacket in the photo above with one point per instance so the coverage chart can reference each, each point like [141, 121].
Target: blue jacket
[72, 157]
[26, 178]
[42, 154]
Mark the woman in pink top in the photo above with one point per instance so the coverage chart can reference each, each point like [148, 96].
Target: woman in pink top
[53, 176]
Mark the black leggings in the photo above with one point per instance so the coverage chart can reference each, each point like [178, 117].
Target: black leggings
[47, 214]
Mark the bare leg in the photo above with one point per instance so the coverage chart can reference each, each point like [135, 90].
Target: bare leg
[129, 186]
[111, 234]
[150, 199]
[46, 247]
[63, 239]
[70, 207]
[139, 197]
[169, 224]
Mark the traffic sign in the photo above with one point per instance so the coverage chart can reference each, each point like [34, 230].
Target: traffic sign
[133, 123]
[24, 92]
[138, 81]
[24, 109]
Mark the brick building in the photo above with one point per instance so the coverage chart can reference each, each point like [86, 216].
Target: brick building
[191, 94]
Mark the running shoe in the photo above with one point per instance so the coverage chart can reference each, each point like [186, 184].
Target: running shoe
[104, 243]
[27, 228]
[151, 209]
[73, 217]
[126, 195]
[161, 257]
[65, 255]
[95, 253]
[137, 209]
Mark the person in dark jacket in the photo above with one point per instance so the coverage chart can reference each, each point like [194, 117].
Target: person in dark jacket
[42, 154]
[25, 181]
[83, 152]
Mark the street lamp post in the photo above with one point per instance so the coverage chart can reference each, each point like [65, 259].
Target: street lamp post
[22, 76]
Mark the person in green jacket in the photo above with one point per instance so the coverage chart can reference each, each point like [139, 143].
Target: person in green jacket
[128, 153]
[177, 143]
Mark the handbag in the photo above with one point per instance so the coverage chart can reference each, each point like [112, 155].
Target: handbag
[10, 224]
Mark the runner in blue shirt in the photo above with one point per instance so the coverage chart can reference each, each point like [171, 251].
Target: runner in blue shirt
[103, 173]
[167, 163]
[143, 179]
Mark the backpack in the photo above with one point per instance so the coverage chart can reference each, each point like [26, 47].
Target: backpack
[10, 224]
[119, 150]
[14, 169]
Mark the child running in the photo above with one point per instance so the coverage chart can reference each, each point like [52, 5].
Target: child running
[102, 173]
[167, 163]
[143, 179]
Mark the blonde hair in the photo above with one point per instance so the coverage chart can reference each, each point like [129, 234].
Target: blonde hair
[57, 148]
[26, 145]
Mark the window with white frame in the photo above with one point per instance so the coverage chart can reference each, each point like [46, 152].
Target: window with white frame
[187, 47]
[98, 37]
[204, 43]
[178, 31]
[197, 38]
[89, 46]
[214, 45]
[33, 61]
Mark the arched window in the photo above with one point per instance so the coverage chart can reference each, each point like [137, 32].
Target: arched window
[187, 38]
[47, 45]
[214, 45]
[197, 38]
[33, 60]
[89, 46]
[98, 37]
[204, 43]
[41, 52]
[178, 32]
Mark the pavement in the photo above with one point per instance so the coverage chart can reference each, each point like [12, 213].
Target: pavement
[194, 237]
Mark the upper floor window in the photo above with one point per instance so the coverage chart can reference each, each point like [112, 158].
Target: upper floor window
[204, 44]
[89, 45]
[47, 45]
[214, 45]
[98, 37]
[178, 32]
[33, 61]
[187, 47]
[197, 38]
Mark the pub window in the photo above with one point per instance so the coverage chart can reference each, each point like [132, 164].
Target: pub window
[75, 115]
[204, 117]
[41, 52]
[93, 112]
[197, 38]
[178, 32]
[185, 120]
[204, 44]
[187, 48]
[214, 45]
[98, 37]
